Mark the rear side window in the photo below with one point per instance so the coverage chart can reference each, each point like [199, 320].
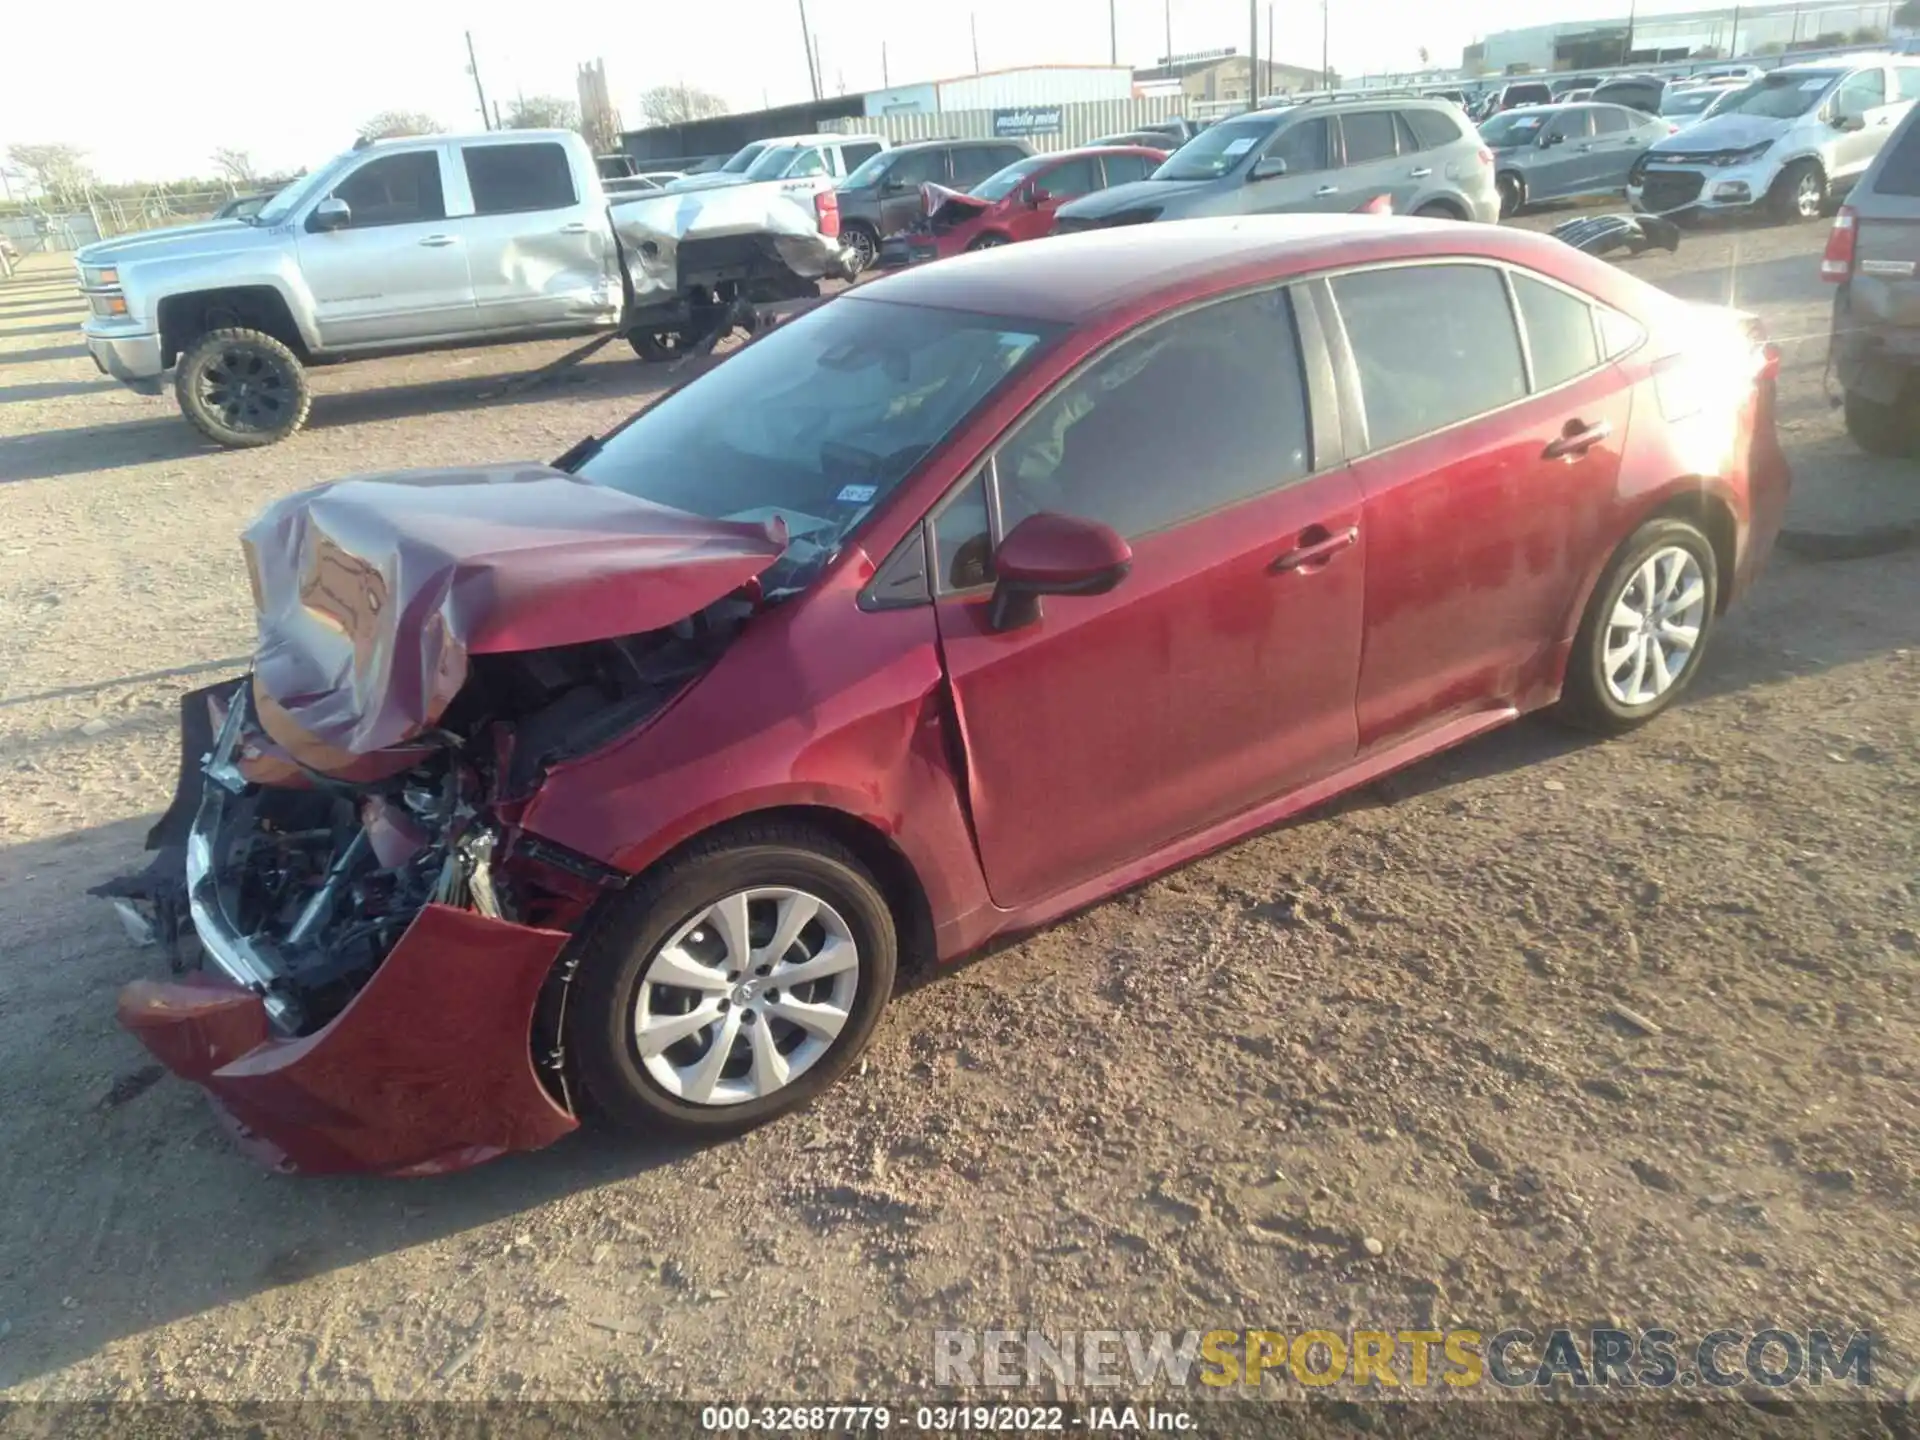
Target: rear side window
[1303, 146]
[394, 190]
[1369, 136]
[1123, 168]
[974, 163]
[1466, 361]
[509, 178]
[1610, 120]
[1560, 335]
[854, 156]
[1431, 128]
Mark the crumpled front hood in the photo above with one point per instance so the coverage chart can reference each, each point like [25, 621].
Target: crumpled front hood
[372, 592]
[1721, 132]
[944, 207]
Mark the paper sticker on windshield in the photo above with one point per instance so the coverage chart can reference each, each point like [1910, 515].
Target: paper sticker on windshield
[856, 494]
[1819, 82]
[1240, 146]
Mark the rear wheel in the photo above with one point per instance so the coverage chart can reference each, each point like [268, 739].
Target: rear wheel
[1646, 626]
[242, 388]
[988, 242]
[1800, 193]
[1880, 429]
[733, 984]
[656, 346]
[862, 244]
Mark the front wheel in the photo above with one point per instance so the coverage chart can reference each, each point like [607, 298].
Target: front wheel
[1511, 196]
[988, 242]
[1645, 629]
[734, 984]
[1800, 193]
[658, 346]
[242, 388]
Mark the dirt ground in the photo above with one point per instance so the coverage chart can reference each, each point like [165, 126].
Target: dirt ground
[1410, 1020]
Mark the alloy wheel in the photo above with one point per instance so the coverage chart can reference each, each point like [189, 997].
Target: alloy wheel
[863, 248]
[248, 388]
[746, 996]
[1654, 627]
[1809, 195]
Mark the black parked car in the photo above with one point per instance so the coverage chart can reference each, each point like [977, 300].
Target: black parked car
[1636, 92]
[883, 195]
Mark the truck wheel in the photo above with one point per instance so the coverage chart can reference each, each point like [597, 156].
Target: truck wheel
[862, 245]
[242, 388]
[658, 346]
[1879, 429]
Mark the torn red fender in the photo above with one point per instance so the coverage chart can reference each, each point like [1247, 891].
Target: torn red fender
[950, 207]
[428, 1069]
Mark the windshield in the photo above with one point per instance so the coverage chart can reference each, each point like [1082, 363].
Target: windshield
[1780, 96]
[817, 421]
[1689, 102]
[868, 172]
[743, 158]
[1003, 183]
[1214, 152]
[298, 193]
[1513, 128]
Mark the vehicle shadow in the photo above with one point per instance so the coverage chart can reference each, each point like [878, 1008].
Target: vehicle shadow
[65, 327]
[14, 310]
[128, 1207]
[51, 390]
[45, 352]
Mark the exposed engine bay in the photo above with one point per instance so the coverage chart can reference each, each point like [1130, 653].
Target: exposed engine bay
[297, 884]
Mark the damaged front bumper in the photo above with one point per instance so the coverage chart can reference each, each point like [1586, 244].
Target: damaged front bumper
[427, 1067]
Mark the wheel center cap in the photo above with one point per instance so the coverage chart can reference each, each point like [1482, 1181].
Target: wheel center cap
[746, 992]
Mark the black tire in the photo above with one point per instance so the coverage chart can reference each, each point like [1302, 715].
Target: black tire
[1878, 429]
[988, 242]
[1437, 210]
[1585, 699]
[657, 347]
[625, 938]
[241, 388]
[864, 245]
[1512, 196]
[1789, 202]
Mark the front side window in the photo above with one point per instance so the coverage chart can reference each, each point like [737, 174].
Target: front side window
[1124, 169]
[505, 179]
[1071, 180]
[810, 162]
[1369, 136]
[918, 167]
[1860, 93]
[870, 171]
[1907, 77]
[1003, 183]
[1189, 415]
[818, 420]
[855, 156]
[974, 163]
[394, 190]
[1571, 125]
[1467, 359]
[1303, 146]
[1560, 335]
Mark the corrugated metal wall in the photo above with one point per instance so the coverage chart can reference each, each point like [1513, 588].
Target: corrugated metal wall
[1051, 85]
[1078, 123]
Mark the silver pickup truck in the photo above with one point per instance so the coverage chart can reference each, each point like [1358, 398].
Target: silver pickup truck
[427, 243]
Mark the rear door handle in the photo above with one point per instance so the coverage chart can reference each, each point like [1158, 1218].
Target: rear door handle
[436, 241]
[1577, 439]
[1328, 190]
[578, 227]
[1422, 172]
[1318, 546]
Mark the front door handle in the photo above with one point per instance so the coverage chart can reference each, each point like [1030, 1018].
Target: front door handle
[578, 227]
[1422, 172]
[1328, 190]
[1577, 438]
[1317, 546]
[436, 241]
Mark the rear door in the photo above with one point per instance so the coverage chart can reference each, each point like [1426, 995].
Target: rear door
[398, 271]
[1489, 475]
[539, 253]
[1618, 138]
[1221, 671]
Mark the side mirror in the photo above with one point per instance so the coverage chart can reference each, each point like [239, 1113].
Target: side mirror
[891, 186]
[1552, 137]
[1849, 122]
[332, 213]
[1269, 168]
[1047, 554]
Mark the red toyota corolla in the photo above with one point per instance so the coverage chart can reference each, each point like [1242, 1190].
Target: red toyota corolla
[959, 602]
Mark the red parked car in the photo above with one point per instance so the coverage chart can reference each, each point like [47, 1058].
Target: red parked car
[1016, 203]
[962, 601]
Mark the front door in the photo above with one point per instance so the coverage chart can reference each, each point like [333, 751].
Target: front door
[1311, 182]
[1489, 482]
[1049, 190]
[900, 200]
[538, 254]
[1860, 102]
[398, 272]
[1221, 671]
[1567, 164]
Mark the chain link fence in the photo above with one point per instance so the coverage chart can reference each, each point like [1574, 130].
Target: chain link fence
[32, 229]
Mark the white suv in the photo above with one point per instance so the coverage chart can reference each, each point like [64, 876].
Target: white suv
[1789, 141]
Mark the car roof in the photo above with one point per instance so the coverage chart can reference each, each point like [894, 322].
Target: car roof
[1081, 278]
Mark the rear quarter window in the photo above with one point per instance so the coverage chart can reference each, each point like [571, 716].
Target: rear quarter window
[1560, 332]
[1431, 129]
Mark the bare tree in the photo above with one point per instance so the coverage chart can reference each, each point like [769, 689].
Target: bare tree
[236, 165]
[60, 171]
[543, 112]
[677, 104]
[390, 124]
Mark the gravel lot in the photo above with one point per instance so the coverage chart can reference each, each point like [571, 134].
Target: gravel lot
[1408, 1020]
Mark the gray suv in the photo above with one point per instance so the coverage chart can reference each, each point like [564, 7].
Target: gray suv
[1332, 154]
[1873, 255]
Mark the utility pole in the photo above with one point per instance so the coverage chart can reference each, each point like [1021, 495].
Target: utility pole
[886, 81]
[973, 25]
[1626, 45]
[473, 69]
[1733, 41]
[1253, 54]
[806, 39]
[1326, 65]
[1113, 31]
[1269, 44]
[1169, 32]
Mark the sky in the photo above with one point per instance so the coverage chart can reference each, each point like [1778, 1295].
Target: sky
[152, 90]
